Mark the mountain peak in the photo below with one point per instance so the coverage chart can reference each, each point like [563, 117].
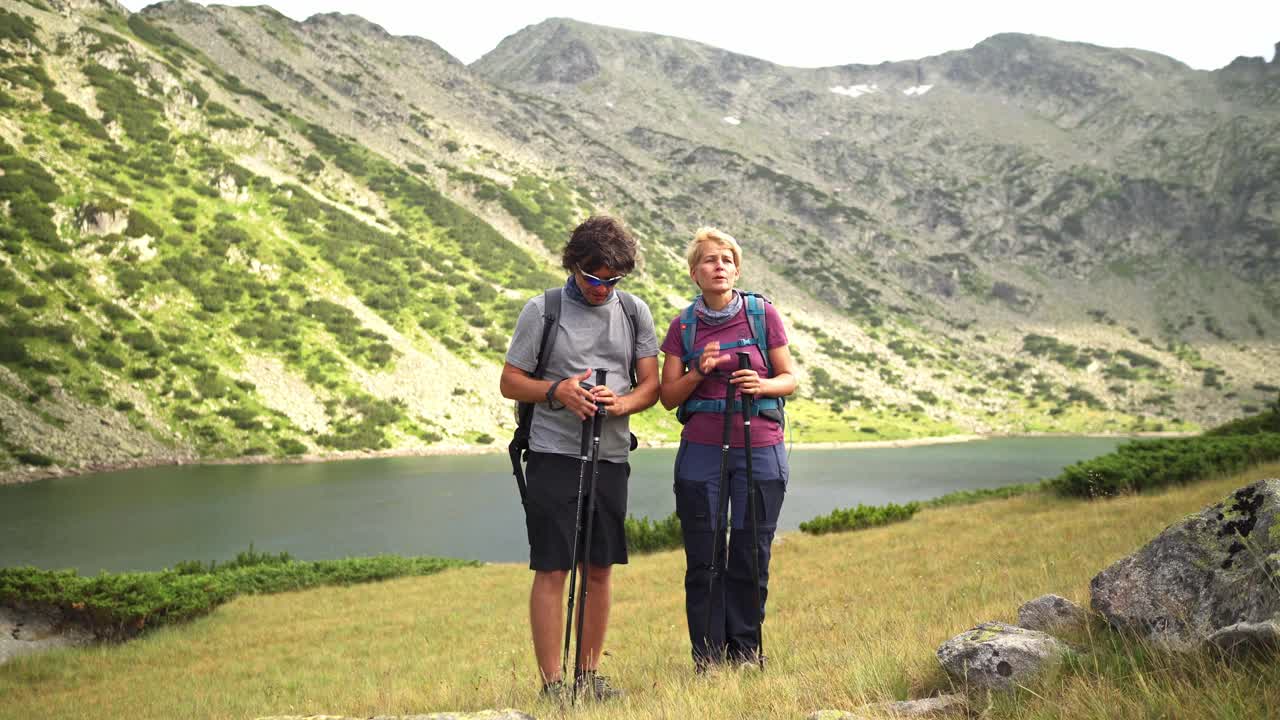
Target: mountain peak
[347, 21]
[553, 51]
[562, 51]
[182, 10]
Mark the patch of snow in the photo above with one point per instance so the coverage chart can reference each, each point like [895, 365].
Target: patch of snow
[917, 90]
[732, 120]
[855, 90]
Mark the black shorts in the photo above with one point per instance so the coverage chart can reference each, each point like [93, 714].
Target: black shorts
[551, 507]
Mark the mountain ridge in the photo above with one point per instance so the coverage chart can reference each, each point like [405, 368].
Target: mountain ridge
[347, 221]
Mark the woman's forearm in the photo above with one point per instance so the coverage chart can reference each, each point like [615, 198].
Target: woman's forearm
[673, 393]
[778, 386]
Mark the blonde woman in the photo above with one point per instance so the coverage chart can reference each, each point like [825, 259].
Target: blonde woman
[725, 597]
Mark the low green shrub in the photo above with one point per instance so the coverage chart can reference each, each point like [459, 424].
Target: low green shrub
[16, 27]
[967, 497]
[119, 606]
[862, 516]
[212, 385]
[243, 559]
[1148, 464]
[646, 536]
[64, 270]
[13, 351]
[358, 437]
[141, 340]
[243, 418]
[34, 459]
[146, 372]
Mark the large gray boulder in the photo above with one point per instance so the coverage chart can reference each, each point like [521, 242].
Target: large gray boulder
[996, 656]
[1212, 570]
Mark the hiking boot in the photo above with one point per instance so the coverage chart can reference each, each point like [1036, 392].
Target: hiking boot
[555, 691]
[597, 687]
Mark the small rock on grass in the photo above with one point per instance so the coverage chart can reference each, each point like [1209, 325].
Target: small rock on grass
[934, 707]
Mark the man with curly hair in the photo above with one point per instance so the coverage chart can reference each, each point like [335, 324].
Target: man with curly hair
[596, 327]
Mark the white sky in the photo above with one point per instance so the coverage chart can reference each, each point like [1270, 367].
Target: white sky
[815, 33]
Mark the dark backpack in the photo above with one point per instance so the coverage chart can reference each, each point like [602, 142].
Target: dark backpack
[519, 444]
[758, 322]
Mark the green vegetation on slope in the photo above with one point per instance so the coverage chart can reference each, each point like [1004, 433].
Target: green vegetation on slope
[121, 605]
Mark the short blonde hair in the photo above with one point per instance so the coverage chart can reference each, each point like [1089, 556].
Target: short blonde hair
[722, 239]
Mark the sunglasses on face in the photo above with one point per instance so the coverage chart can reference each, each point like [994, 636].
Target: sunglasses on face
[594, 281]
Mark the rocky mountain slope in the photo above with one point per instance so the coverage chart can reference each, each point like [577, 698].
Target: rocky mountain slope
[229, 233]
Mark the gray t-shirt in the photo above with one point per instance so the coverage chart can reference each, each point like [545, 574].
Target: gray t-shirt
[589, 336]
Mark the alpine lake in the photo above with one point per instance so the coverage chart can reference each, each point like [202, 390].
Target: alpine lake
[462, 506]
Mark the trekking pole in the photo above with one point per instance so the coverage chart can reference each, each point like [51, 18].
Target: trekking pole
[744, 363]
[597, 424]
[719, 555]
[573, 552]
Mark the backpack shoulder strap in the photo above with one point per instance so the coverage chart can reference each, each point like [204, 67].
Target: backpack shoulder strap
[550, 325]
[688, 328]
[629, 306]
[524, 411]
[758, 320]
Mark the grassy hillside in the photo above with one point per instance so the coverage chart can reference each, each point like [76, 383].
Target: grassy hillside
[206, 309]
[854, 618]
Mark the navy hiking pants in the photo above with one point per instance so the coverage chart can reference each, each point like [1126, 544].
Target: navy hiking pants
[734, 617]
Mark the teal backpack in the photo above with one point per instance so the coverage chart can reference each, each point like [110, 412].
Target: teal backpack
[757, 321]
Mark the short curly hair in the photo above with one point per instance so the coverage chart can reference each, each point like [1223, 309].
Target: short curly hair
[601, 241]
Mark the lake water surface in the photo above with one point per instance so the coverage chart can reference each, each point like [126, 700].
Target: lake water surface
[453, 506]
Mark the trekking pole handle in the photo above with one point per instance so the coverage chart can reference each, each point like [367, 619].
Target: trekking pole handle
[600, 378]
[744, 363]
[600, 375]
[600, 409]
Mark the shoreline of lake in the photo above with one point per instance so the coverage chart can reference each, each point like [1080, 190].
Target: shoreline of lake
[154, 518]
[26, 474]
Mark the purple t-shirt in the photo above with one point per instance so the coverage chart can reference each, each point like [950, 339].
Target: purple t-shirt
[708, 428]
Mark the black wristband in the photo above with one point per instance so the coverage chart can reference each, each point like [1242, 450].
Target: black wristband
[696, 367]
[551, 395]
